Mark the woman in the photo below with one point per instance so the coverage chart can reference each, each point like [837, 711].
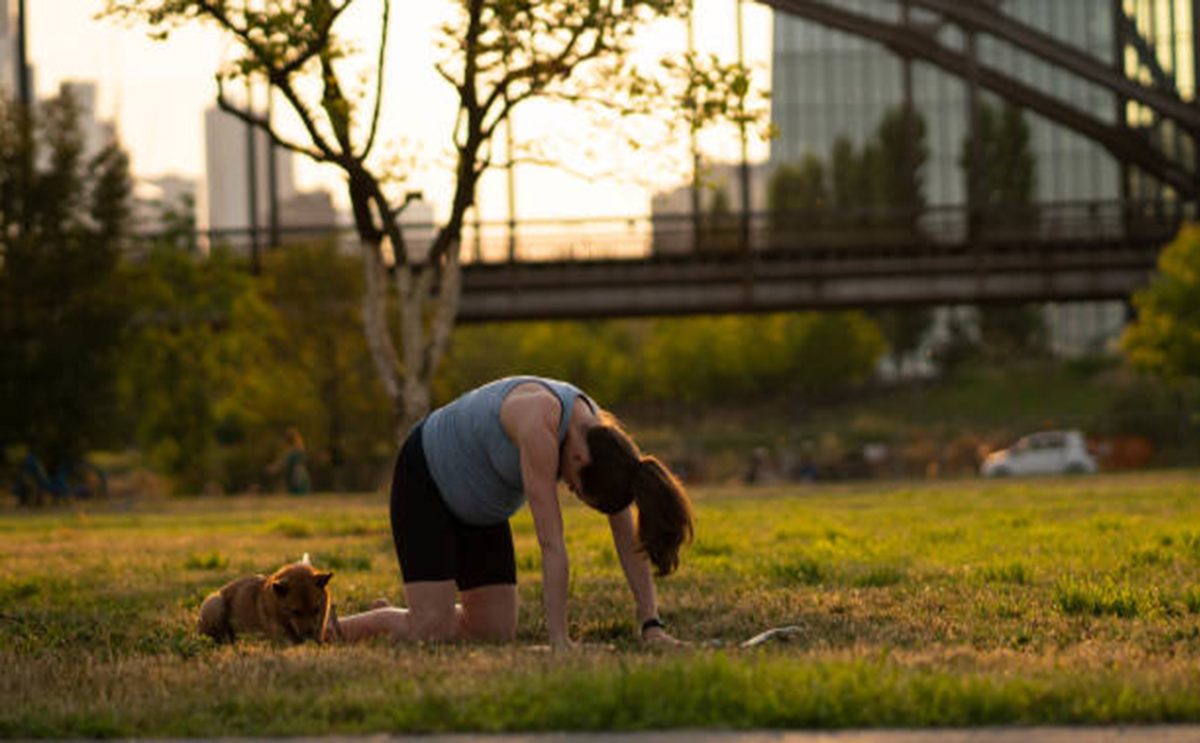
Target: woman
[470, 465]
[292, 462]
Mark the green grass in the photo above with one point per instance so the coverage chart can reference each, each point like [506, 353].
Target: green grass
[1070, 600]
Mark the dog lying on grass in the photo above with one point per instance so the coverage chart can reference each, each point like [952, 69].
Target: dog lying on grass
[291, 604]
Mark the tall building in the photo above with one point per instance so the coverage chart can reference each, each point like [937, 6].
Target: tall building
[720, 192]
[225, 206]
[8, 49]
[828, 84]
[156, 196]
[96, 134]
[1165, 54]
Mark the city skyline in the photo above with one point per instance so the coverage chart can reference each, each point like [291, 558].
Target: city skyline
[157, 93]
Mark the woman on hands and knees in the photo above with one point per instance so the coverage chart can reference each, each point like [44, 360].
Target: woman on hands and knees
[470, 465]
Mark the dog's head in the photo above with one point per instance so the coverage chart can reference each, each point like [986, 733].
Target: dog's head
[301, 594]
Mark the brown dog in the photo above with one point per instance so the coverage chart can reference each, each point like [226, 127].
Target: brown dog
[291, 604]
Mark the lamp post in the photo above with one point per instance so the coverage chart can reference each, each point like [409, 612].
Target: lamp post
[23, 92]
[744, 166]
[697, 232]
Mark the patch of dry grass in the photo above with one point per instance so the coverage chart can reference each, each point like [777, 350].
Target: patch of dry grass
[953, 603]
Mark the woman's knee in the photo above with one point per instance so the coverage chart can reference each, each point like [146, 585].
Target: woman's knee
[432, 615]
[490, 613]
[433, 624]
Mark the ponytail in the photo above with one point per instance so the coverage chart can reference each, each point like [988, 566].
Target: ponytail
[664, 522]
[618, 475]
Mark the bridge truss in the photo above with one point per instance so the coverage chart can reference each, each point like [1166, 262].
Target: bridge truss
[912, 38]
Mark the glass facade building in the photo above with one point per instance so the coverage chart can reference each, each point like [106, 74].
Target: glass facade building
[829, 84]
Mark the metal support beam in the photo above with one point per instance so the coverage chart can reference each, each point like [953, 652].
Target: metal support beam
[694, 141]
[744, 141]
[973, 15]
[910, 126]
[1126, 146]
[1146, 53]
[975, 167]
[1122, 105]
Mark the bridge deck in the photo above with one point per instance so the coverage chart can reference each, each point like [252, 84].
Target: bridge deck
[811, 278]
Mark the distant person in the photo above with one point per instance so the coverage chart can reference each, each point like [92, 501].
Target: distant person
[293, 464]
[469, 466]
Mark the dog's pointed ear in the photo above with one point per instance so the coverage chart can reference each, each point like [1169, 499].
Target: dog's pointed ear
[304, 560]
[323, 579]
[280, 587]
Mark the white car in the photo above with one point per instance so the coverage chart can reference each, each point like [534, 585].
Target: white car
[1043, 453]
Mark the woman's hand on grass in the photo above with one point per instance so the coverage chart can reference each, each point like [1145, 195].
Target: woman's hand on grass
[563, 645]
[659, 637]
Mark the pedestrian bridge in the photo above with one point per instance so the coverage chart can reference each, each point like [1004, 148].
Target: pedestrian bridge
[761, 263]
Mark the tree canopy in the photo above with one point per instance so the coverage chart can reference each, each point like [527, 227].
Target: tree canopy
[497, 54]
[1165, 338]
[63, 219]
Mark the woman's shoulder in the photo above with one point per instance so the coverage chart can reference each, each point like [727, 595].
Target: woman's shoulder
[529, 404]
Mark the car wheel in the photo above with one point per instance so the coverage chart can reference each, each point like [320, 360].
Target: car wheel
[1001, 472]
[1075, 468]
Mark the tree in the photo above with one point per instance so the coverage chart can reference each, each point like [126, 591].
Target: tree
[499, 55]
[335, 399]
[1165, 338]
[797, 198]
[1006, 180]
[63, 221]
[903, 154]
[848, 189]
[903, 328]
[882, 183]
[720, 229]
[1004, 186]
[198, 368]
[1012, 331]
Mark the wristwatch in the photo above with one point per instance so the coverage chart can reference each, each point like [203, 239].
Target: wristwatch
[651, 623]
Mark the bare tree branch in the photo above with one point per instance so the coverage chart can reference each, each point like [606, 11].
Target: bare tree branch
[320, 41]
[307, 119]
[261, 122]
[379, 66]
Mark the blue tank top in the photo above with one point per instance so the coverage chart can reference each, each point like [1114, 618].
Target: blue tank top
[476, 466]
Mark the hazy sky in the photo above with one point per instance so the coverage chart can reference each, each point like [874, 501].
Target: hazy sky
[157, 93]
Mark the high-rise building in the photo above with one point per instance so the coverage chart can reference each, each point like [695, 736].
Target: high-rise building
[96, 134]
[829, 84]
[719, 198]
[225, 206]
[1160, 50]
[157, 196]
[8, 50]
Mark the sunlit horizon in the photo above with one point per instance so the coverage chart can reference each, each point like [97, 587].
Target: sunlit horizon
[156, 94]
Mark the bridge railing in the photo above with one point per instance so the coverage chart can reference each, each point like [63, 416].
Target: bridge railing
[681, 236]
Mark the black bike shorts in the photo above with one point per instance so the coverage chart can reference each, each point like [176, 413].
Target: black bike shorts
[432, 543]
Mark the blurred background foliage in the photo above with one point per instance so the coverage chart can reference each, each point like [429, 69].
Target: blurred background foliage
[148, 354]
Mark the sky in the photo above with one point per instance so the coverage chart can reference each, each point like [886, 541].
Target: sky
[156, 93]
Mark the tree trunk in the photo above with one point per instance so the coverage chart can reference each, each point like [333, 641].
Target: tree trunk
[426, 320]
[375, 326]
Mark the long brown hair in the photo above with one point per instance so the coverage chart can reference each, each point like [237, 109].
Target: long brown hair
[618, 475]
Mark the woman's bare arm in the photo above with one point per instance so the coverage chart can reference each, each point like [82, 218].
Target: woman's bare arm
[533, 423]
[637, 573]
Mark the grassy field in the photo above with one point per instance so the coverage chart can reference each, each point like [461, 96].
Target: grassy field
[955, 603]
